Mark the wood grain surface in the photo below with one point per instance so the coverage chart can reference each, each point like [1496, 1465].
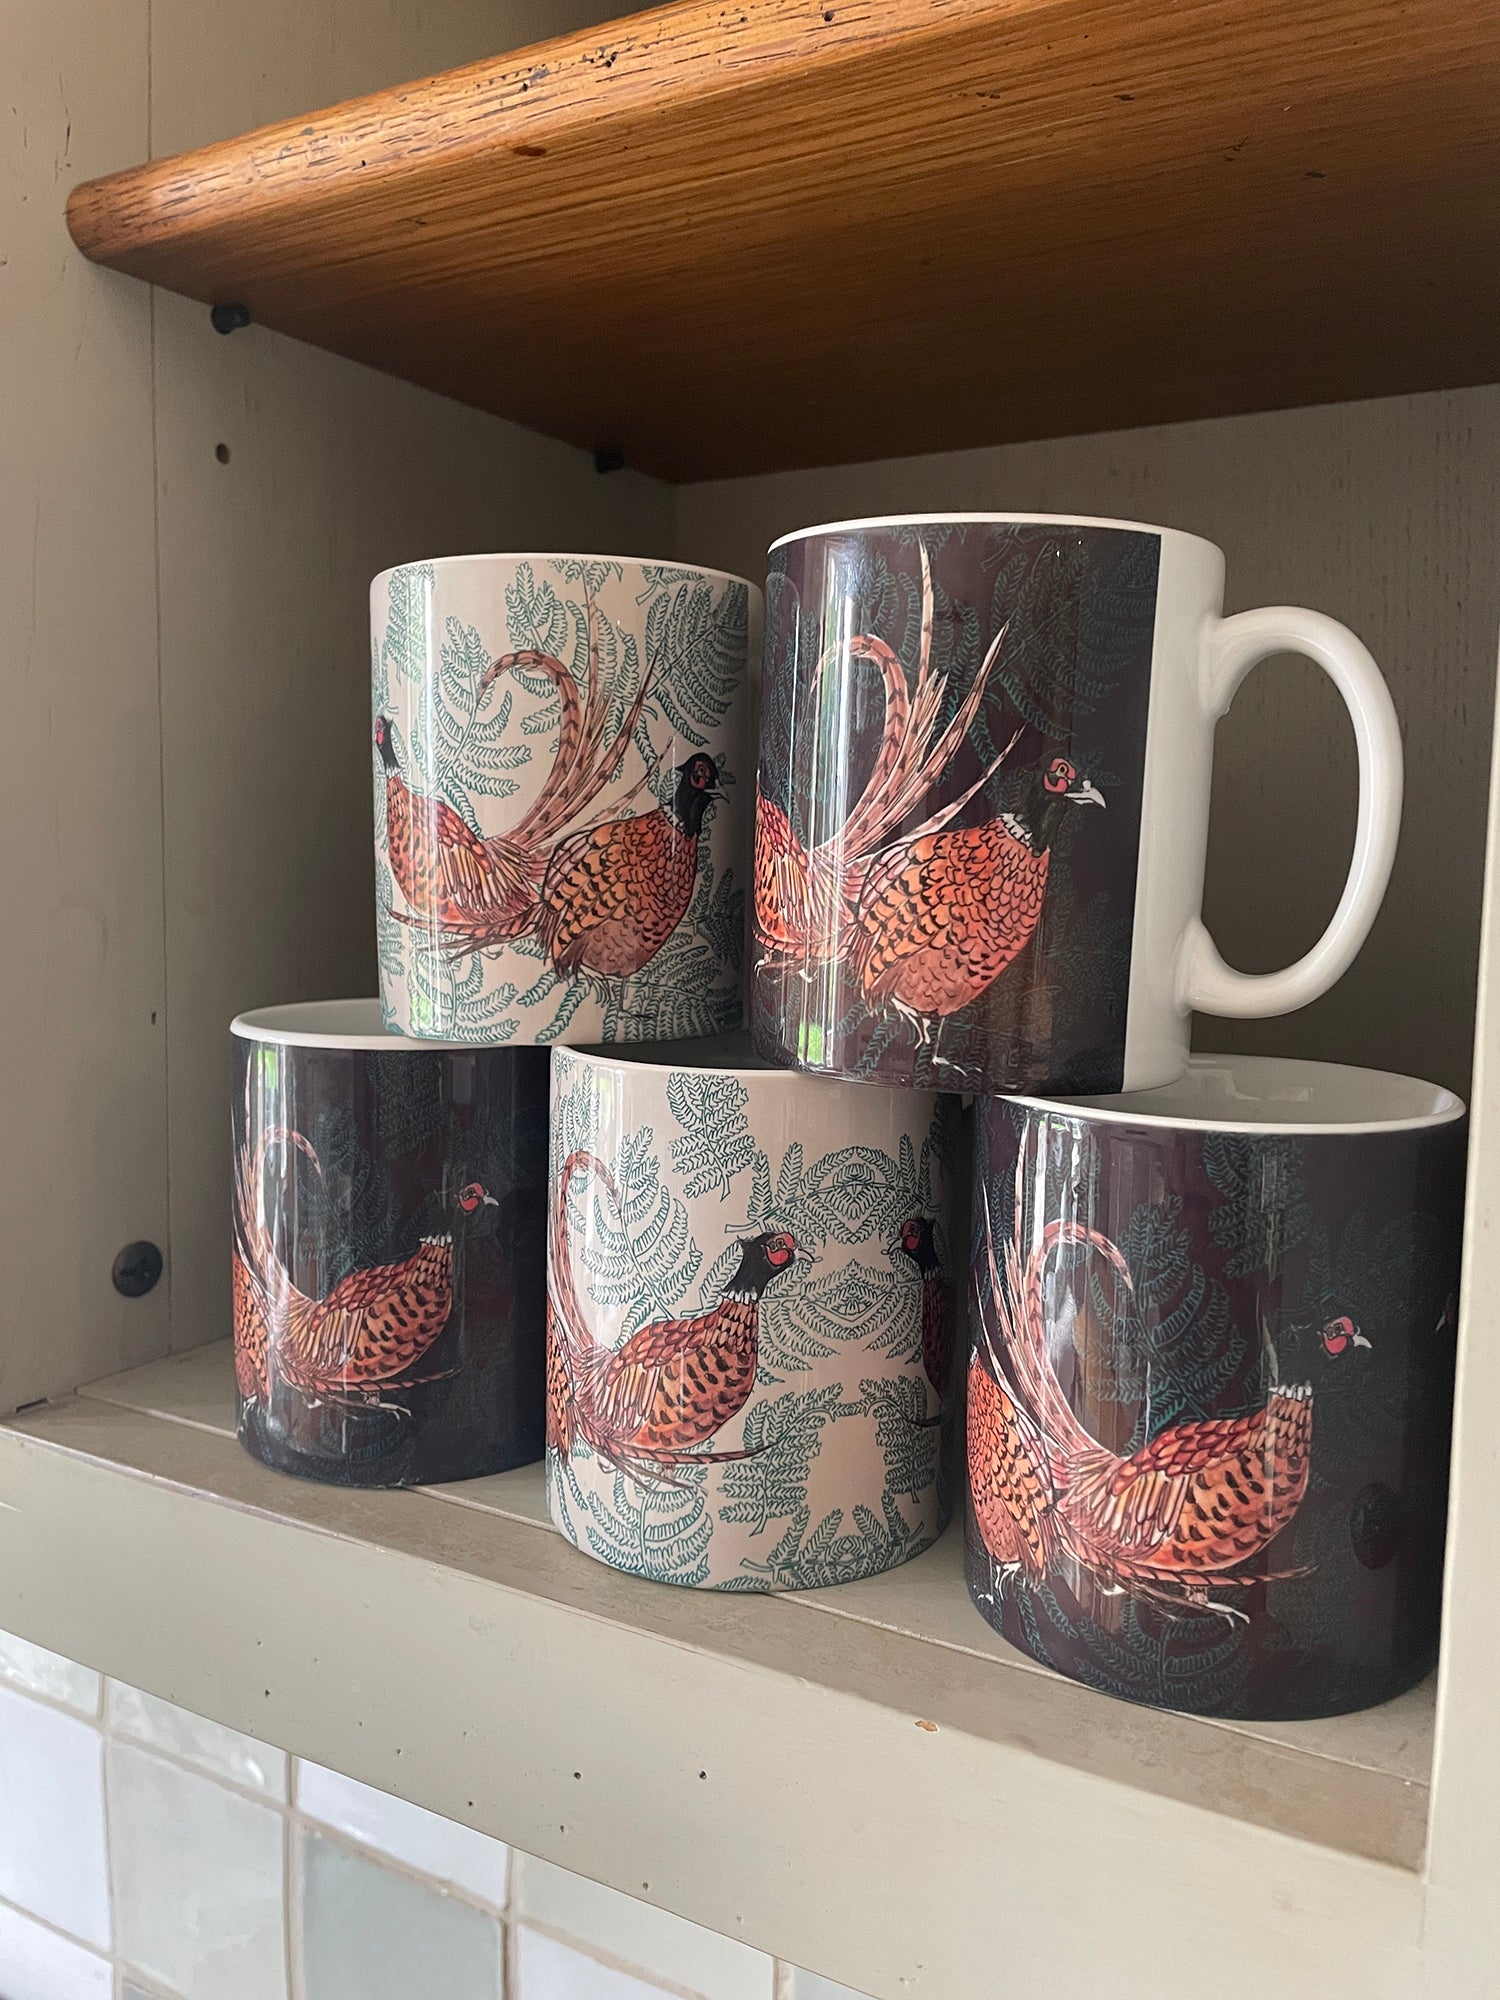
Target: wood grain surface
[735, 237]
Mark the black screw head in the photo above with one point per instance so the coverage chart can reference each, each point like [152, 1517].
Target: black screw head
[229, 317]
[136, 1269]
[609, 458]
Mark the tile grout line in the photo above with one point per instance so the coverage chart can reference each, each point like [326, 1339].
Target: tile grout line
[632, 1968]
[107, 1818]
[46, 1924]
[393, 1864]
[55, 1702]
[237, 1786]
[293, 1930]
[296, 1824]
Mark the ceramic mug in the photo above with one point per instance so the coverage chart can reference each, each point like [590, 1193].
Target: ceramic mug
[750, 1321]
[1210, 1391]
[982, 817]
[389, 1264]
[561, 808]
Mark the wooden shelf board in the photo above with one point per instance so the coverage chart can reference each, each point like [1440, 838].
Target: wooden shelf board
[730, 236]
[908, 1641]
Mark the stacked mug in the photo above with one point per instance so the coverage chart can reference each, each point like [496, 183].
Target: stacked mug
[735, 1365]
[718, 1278]
[1214, 1298]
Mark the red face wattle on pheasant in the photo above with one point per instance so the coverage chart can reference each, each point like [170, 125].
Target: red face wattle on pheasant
[475, 1196]
[1062, 781]
[1340, 1334]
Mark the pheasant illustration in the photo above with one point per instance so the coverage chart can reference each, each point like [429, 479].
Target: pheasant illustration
[612, 896]
[446, 873]
[805, 900]
[918, 1242]
[481, 891]
[942, 914]
[650, 1404]
[361, 1340]
[1187, 1514]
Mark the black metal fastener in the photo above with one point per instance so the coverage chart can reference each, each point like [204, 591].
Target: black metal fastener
[136, 1269]
[229, 317]
[609, 458]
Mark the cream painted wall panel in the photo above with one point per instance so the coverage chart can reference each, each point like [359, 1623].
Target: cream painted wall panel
[82, 1126]
[334, 472]
[1387, 515]
[1462, 1924]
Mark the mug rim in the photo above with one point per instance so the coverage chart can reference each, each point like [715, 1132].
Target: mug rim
[561, 555]
[1122, 1107]
[623, 1055]
[983, 520]
[293, 1024]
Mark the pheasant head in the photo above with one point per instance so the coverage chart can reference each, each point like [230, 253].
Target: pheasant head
[694, 789]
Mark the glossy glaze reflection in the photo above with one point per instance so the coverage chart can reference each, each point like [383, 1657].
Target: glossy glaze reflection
[1209, 1405]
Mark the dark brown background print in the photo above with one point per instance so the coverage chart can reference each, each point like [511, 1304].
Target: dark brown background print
[951, 760]
[1209, 1406]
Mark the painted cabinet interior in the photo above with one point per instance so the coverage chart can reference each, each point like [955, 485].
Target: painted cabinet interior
[188, 525]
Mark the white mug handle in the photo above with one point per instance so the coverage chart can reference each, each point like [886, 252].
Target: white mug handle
[1233, 647]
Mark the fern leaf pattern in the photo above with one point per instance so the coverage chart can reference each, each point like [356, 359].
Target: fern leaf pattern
[650, 662]
[666, 1187]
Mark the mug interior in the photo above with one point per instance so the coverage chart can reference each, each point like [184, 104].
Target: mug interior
[1274, 1094]
[508, 557]
[331, 1024]
[877, 521]
[726, 1052]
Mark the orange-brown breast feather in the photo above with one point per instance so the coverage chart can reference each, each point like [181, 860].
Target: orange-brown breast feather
[251, 1332]
[378, 1321]
[559, 1389]
[941, 917]
[675, 1382]
[612, 896]
[1200, 1498]
[441, 865]
[1009, 1479]
[780, 880]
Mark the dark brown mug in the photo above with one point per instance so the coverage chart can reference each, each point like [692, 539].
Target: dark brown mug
[389, 1252]
[982, 810]
[1211, 1384]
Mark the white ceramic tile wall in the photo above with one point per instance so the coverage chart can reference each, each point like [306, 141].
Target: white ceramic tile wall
[698, 1960]
[41, 1964]
[234, 1873]
[52, 1818]
[420, 1840]
[222, 1753]
[40, 1672]
[799, 1985]
[196, 1876]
